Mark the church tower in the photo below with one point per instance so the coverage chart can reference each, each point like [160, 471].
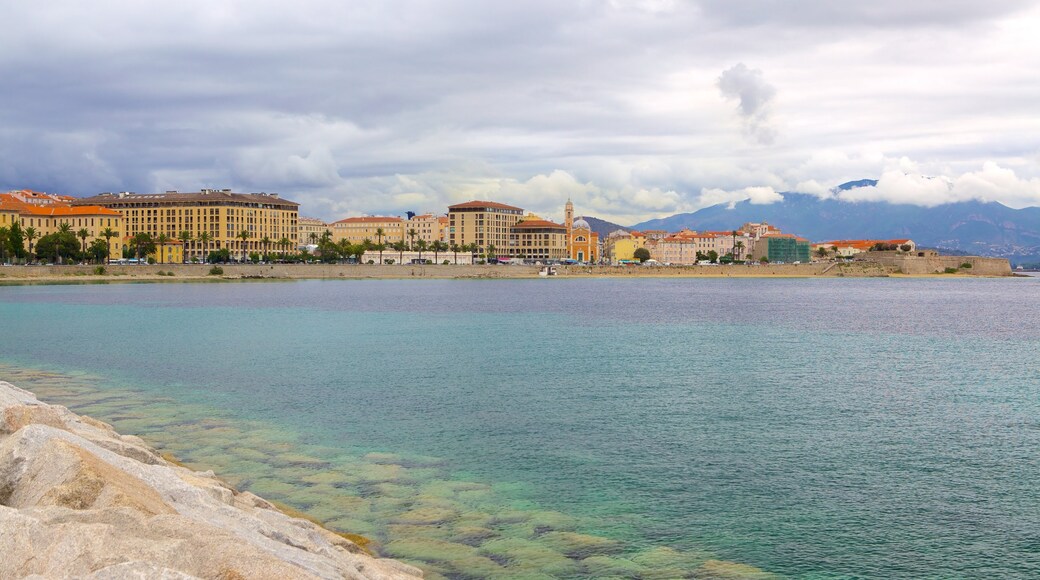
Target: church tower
[568, 218]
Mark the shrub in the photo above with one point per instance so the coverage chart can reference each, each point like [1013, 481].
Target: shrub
[389, 261]
[950, 271]
[99, 271]
[371, 261]
[445, 263]
[151, 260]
[216, 271]
[966, 265]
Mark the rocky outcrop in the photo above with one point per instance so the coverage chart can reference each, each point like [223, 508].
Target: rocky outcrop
[79, 500]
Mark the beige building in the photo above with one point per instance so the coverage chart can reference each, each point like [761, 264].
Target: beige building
[221, 215]
[306, 226]
[427, 227]
[484, 223]
[358, 229]
[536, 239]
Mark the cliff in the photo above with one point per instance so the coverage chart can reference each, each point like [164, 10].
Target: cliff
[78, 499]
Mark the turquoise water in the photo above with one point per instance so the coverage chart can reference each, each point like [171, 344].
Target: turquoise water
[586, 428]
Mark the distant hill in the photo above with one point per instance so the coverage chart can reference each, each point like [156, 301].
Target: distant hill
[972, 227]
[603, 227]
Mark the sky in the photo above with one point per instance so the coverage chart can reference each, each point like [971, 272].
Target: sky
[633, 109]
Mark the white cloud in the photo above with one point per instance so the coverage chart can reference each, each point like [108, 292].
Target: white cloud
[756, 195]
[754, 94]
[991, 183]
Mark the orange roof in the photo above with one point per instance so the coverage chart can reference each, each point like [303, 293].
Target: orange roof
[368, 219]
[8, 203]
[637, 234]
[480, 204]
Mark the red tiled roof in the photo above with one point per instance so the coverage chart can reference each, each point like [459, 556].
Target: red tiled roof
[480, 204]
[526, 224]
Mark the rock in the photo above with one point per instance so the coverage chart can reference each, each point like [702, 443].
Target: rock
[580, 545]
[722, 570]
[78, 499]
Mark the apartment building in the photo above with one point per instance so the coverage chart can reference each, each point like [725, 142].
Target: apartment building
[376, 229]
[213, 219]
[484, 223]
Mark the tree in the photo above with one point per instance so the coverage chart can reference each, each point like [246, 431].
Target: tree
[204, 239]
[244, 236]
[437, 247]
[313, 237]
[712, 256]
[738, 250]
[108, 234]
[83, 234]
[490, 254]
[142, 244]
[455, 249]
[641, 254]
[420, 245]
[30, 235]
[185, 238]
[906, 247]
[822, 251]
[61, 245]
[162, 240]
[380, 233]
[399, 246]
[285, 244]
[98, 250]
[265, 243]
[5, 235]
[411, 234]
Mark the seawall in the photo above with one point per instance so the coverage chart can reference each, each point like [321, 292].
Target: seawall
[78, 499]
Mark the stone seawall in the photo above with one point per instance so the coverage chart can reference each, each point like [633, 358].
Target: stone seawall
[926, 265]
[78, 499]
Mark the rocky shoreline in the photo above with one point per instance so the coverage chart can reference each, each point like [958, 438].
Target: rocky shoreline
[77, 499]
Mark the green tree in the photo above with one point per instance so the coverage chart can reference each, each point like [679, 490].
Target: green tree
[265, 243]
[455, 250]
[285, 244]
[437, 247]
[244, 236]
[5, 235]
[108, 234]
[162, 240]
[712, 256]
[641, 254]
[399, 246]
[420, 245]
[185, 238]
[204, 239]
[411, 234]
[83, 234]
[30, 235]
[738, 250]
[16, 241]
[313, 237]
[380, 234]
[98, 250]
[142, 244]
[59, 245]
[822, 251]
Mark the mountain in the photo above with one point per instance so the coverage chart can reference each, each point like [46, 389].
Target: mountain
[603, 227]
[973, 227]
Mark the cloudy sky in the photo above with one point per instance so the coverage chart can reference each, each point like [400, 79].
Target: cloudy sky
[632, 108]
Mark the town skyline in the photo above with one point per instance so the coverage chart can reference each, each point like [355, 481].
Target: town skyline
[633, 109]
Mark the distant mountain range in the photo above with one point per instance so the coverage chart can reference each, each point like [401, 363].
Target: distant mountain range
[970, 227]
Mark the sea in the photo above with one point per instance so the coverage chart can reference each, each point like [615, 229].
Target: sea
[584, 428]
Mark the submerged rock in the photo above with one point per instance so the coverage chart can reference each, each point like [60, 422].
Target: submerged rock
[78, 499]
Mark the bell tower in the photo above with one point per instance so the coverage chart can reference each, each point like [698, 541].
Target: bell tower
[568, 218]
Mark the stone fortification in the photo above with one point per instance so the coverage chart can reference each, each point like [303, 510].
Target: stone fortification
[78, 499]
[931, 264]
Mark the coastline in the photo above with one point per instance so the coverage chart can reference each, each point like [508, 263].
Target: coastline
[200, 272]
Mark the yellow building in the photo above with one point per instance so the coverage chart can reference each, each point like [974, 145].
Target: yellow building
[171, 252]
[309, 230]
[484, 223]
[536, 239]
[47, 218]
[582, 242]
[358, 229]
[427, 227]
[213, 219]
[623, 247]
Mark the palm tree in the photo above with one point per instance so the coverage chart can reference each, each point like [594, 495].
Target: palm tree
[380, 232]
[420, 245]
[437, 247]
[411, 234]
[83, 234]
[64, 228]
[31, 234]
[313, 237]
[399, 246]
[265, 243]
[162, 240]
[284, 243]
[185, 238]
[455, 248]
[738, 248]
[243, 235]
[204, 239]
[4, 236]
[491, 253]
[108, 234]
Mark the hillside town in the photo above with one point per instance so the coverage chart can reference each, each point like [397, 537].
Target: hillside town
[222, 226]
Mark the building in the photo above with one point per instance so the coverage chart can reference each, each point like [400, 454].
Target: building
[786, 248]
[309, 230]
[483, 223]
[582, 242]
[849, 248]
[427, 227]
[47, 218]
[534, 238]
[376, 229]
[621, 246]
[209, 220]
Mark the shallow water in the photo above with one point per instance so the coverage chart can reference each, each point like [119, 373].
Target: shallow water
[585, 428]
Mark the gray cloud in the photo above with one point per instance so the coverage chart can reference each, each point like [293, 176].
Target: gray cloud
[754, 94]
